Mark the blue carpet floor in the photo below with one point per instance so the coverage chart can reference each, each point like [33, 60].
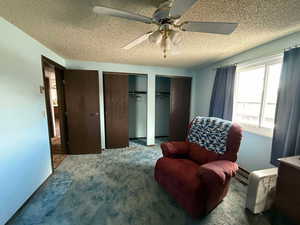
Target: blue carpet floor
[117, 187]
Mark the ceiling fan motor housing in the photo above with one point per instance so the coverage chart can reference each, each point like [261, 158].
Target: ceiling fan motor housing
[162, 14]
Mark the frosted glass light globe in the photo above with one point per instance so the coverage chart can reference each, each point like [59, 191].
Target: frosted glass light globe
[175, 37]
[155, 37]
[166, 44]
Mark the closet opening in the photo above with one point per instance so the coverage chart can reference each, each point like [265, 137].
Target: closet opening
[125, 108]
[172, 108]
[137, 109]
[162, 109]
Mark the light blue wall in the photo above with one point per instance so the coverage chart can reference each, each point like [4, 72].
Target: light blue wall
[255, 150]
[24, 147]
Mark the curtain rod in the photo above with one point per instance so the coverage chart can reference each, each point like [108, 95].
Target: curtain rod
[290, 48]
[247, 60]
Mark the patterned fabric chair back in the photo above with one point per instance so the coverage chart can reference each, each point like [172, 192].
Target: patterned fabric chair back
[201, 155]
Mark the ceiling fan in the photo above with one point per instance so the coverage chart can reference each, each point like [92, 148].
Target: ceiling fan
[166, 17]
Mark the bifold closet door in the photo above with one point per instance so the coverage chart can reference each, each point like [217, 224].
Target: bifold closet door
[180, 107]
[116, 110]
[82, 110]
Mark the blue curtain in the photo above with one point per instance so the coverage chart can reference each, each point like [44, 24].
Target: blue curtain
[286, 137]
[221, 104]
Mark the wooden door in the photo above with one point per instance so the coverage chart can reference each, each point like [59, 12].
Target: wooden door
[59, 76]
[82, 108]
[116, 110]
[180, 107]
[48, 106]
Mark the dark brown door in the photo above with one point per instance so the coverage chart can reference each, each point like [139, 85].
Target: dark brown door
[180, 107]
[59, 76]
[82, 104]
[48, 105]
[116, 110]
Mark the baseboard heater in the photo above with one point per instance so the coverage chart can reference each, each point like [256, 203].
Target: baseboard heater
[242, 175]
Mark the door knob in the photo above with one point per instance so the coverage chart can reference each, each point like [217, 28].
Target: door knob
[94, 114]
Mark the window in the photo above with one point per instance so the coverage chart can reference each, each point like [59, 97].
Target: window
[255, 96]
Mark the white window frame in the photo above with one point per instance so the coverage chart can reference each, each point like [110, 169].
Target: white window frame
[263, 62]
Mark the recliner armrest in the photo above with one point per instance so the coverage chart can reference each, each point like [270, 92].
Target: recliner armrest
[175, 149]
[217, 171]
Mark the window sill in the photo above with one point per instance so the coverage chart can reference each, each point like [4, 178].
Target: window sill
[266, 132]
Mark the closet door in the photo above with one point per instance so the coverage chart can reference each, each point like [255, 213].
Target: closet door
[82, 105]
[180, 107]
[116, 110]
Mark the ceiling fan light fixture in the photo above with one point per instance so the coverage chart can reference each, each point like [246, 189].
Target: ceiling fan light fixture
[156, 37]
[166, 44]
[167, 18]
[175, 37]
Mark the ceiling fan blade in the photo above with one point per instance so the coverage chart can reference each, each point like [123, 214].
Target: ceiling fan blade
[179, 7]
[209, 27]
[138, 41]
[122, 14]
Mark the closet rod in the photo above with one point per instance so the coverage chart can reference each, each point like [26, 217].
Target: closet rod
[137, 92]
[163, 92]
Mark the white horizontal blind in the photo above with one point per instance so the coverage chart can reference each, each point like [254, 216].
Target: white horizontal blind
[255, 94]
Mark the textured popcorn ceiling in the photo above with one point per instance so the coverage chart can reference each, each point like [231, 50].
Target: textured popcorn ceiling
[69, 28]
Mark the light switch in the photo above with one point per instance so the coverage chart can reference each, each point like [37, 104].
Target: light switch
[42, 89]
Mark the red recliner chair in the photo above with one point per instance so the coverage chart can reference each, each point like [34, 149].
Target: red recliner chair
[197, 178]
